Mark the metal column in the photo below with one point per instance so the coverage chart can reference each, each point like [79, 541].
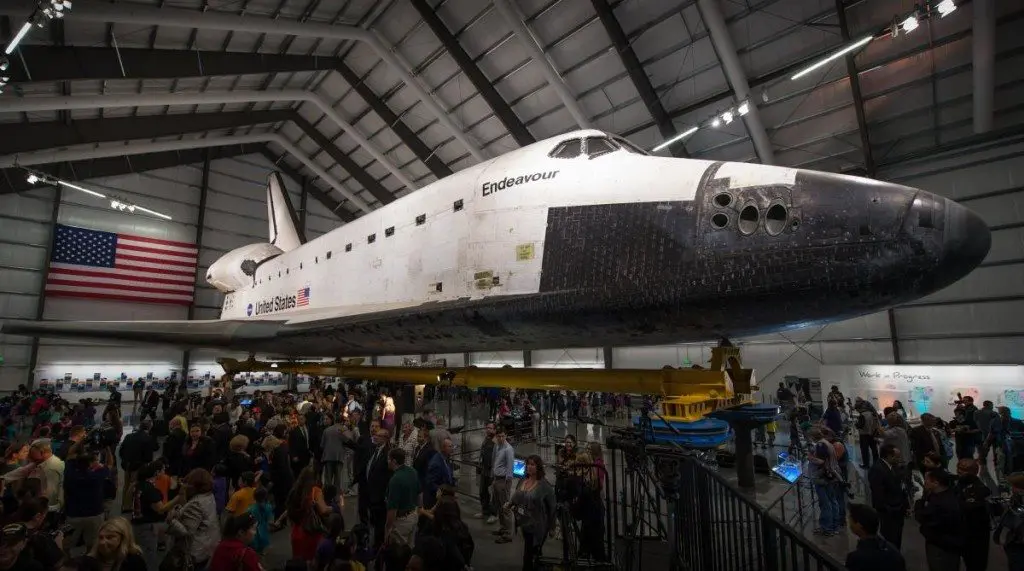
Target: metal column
[858, 100]
[711, 12]
[33, 358]
[984, 64]
[204, 190]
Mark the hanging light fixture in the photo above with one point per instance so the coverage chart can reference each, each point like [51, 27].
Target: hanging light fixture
[946, 7]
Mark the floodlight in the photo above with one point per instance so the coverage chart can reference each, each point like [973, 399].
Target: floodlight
[727, 117]
[32, 178]
[946, 7]
[4, 63]
[716, 122]
[744, 108]
[910, 24]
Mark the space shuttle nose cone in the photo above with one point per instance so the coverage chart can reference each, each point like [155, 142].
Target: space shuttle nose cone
[967, 240]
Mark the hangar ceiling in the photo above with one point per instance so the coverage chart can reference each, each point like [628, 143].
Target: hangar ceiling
[385, 96]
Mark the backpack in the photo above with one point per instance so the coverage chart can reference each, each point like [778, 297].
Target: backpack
[861, 421]
[464, 541]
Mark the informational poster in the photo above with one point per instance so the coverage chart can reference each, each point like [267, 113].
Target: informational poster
[926, 388]
[1012, 398]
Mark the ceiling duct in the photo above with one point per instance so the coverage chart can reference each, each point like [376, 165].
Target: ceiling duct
[65, 155]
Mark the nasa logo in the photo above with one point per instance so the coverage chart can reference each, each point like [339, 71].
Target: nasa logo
[248, 310]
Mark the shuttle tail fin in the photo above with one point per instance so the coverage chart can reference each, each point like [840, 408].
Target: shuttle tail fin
[281, 215]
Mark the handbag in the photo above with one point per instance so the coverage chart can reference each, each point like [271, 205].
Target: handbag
[313, 522]
[178, 558]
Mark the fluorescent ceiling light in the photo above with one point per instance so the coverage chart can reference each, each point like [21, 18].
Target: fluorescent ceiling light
[80, 188]
[153, 212]
[855, 45]
[678, 137]
[18, 37]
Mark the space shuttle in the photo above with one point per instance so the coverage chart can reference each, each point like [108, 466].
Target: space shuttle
[580, 240]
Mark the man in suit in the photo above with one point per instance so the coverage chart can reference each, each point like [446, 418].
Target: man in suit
[873, 553]
[439, 473]
[332, 454]
[423, 454]
[363, 448]
[298, 444]
[378, 474]
[888, 497]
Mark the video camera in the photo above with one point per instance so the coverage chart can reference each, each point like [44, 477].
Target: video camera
[101, 437]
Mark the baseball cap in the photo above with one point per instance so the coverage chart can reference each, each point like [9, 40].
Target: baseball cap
[13, 533]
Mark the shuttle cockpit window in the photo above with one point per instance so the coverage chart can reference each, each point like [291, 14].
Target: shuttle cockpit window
[629, 146]
[597, 146]
[567, 149]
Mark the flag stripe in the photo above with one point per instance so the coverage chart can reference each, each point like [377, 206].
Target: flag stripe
[171, 249]
[141, 251]
[67, 269]
[157, 268]
[114, 297]
[153, 260]
[127, 285]
[158, 241]
[103, 265]
[126, 293]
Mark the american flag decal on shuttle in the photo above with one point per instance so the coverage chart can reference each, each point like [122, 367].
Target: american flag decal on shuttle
[303, 297]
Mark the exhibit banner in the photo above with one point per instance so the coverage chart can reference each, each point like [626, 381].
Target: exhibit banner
[928, 388]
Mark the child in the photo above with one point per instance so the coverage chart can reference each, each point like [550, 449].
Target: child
[326, 550]
[264, 514]
[220, 487]
[243, 499]
[345, 554]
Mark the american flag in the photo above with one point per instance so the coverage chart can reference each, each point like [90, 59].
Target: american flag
[303, 298]
[105, 265]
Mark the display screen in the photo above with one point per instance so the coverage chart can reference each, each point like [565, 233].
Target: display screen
[787, 468]
[245, 402]
[519, 468]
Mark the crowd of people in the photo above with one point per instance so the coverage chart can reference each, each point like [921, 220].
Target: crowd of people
[906, 468]
[204, 483]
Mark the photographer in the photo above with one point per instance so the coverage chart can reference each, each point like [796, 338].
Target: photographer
[42, 543]
[136, 451]
[85, 485]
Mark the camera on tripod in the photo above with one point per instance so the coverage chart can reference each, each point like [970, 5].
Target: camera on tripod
[101, 437]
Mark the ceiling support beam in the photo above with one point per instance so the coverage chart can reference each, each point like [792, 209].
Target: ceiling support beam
[858, 99]
[140, 15]
[52, 63]
[328, 201]
[12, 179]
[62, 155]
[721, 39]
[27, 137]
[30, 104]
[516, 20]
[984, 64]
[483, 85]
[636, 72]
[37, 135]
[405, 134]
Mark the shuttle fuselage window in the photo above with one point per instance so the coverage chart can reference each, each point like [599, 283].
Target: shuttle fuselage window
[567, 150]
[597, 146]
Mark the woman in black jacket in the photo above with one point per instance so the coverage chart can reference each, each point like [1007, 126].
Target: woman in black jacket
[281, 476]
[174, 448]
[938, 512]
[199, 452]
[238, 460]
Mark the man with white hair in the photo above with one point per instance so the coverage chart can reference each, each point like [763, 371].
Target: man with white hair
[42, 464]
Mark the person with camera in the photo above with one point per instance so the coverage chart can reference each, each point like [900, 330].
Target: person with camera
[43, 542]
[823, 471]
[136, 451]
[87, 480]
